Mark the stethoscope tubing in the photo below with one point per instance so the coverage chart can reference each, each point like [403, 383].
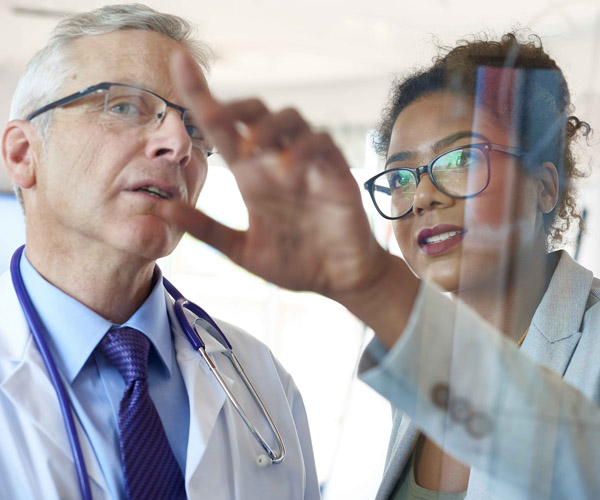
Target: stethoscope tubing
[62, 396]
[193, 337]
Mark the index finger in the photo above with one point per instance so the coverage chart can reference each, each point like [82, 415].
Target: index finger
[192, 85]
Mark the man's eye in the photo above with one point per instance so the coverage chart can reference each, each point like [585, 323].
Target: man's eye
[193, 131]
[198, 140]
[125, 108]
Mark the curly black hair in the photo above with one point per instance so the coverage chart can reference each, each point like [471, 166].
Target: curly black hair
[536, 105]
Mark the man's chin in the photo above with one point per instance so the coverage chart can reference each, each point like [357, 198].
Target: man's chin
[151, 245]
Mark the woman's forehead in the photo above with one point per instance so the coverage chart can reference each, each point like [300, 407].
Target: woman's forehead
[426, 125]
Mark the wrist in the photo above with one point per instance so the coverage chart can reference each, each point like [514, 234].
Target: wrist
[385, 299]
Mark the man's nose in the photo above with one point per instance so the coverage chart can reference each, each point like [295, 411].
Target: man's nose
[171, 139]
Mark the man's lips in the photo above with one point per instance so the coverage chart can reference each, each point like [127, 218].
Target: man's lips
[157, 189]
[440, 238]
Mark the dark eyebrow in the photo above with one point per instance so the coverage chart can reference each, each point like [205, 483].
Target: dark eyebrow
[447, 141]
[437, 146]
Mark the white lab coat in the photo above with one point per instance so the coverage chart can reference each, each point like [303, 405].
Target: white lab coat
[36, 461]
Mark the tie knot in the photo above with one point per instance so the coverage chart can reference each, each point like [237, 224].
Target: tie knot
[127, 349]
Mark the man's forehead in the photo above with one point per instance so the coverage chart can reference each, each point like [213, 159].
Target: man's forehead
[135, 57]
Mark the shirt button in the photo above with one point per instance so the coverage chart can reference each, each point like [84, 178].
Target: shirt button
[440, 395]
[479, 424]
[459, 409]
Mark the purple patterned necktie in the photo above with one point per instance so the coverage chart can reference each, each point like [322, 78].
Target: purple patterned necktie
[150, 468]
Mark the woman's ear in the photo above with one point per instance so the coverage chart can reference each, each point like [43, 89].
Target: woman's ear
[18, 153]
[548, 191]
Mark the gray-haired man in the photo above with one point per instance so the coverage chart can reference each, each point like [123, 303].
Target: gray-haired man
[98, 138]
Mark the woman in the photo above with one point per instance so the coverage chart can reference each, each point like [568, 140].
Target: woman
[477, 182]
[494, 197]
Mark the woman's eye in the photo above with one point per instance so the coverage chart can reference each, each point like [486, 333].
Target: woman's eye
[465, 159]
[399, 180]
[395, 181]
[457, 159]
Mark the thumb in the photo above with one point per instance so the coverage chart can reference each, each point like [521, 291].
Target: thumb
[201, 226]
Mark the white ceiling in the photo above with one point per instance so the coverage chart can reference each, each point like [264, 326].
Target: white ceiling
[332, 58]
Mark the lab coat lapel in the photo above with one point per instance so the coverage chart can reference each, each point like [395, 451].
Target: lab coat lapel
[41, 406]
[206, 397]
[556, 325]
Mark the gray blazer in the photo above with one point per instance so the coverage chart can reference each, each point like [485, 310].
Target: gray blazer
[524, 431]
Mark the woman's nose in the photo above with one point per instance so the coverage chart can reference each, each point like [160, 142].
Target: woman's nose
[428, 196]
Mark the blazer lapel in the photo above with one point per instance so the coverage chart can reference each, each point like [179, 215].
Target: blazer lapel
[556, 324]
[403, 439]
[206, 397]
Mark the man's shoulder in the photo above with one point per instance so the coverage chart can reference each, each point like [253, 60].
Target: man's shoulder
[252, 351]
[238, 336]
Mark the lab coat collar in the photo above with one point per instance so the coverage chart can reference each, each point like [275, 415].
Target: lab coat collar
[555, 329]
[205, 395]
[43, 408]
[12, 343]
[212, 345]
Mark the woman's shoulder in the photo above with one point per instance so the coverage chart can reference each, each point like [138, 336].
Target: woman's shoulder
[571, 277]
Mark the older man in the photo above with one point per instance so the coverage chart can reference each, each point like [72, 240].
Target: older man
[95, 143]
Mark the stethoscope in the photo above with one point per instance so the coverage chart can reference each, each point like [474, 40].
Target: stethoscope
[203, 321]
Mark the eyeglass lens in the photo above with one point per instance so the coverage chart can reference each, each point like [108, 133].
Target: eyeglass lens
[458, 173]
[141, 108]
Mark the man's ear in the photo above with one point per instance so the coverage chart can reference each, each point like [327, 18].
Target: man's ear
[548, 192]
[19, 154]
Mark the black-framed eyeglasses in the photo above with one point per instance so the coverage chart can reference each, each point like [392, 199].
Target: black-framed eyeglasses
[461, 172]
[134, 106]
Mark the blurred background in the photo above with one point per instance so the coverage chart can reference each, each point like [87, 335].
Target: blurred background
[333, 59]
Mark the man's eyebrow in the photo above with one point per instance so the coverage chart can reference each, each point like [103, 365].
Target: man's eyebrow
[437, 146]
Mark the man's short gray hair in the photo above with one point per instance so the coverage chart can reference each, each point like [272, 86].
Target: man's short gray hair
[46, 73]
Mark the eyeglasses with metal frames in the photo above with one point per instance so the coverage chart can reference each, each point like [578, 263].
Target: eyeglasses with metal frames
[461, 172]
[134, 106]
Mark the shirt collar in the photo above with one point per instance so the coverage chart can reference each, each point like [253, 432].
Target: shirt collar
[74, 330]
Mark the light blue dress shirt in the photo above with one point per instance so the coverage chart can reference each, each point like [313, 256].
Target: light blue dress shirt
[95, 386]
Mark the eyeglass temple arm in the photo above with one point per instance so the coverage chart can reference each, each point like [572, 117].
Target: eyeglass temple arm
[374, 187]
[67, 100]
[382, 189]
[508, 150]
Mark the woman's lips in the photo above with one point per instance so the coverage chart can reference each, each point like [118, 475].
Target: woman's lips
[440, 239]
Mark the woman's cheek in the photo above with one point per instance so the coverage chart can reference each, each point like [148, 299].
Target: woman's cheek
[403, 234]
